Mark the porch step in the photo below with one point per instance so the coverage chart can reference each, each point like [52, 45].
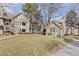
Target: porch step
[10, 30]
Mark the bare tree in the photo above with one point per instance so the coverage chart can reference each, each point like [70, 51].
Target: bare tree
[75, 6]
[51, 8]
[71, 19]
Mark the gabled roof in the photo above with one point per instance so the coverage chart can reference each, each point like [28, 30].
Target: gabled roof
[7, 16]
[20, 14]
[17, 15]
[55, 23]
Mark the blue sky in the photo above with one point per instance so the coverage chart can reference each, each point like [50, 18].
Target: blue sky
[62, 11]
[17, 7]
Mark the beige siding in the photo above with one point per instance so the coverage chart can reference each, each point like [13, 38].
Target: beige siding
[1, 22]
[17, 26]
[1, 26]
[1, 30]
[18, 23]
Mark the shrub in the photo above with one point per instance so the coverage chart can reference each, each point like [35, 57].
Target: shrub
[66, 34]
[68, 40]
[49, 33]
[26, 33]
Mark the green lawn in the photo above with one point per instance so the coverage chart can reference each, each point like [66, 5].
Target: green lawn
[29, 44]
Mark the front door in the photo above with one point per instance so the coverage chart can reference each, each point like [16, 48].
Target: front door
[44, 31]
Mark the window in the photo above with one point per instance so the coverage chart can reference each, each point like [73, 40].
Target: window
[1, 11]
[52, 29]
[34, 30]
[23, 30]
[8, 22]
[76, 27]
[23, 23]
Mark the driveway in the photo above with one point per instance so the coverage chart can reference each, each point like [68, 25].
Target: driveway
[71, 49]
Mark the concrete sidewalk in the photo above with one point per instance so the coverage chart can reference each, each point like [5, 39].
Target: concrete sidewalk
[68, 50]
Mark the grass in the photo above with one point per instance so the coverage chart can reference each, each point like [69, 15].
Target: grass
[71, 37]
[68, 38]
[29, 45]
[76, 37]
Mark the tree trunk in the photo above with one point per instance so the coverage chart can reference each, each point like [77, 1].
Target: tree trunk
[31, 29]
[48, 28]
[78, 30]
[78, 27]
[67, 30]
[71, 30]
[31, 19]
